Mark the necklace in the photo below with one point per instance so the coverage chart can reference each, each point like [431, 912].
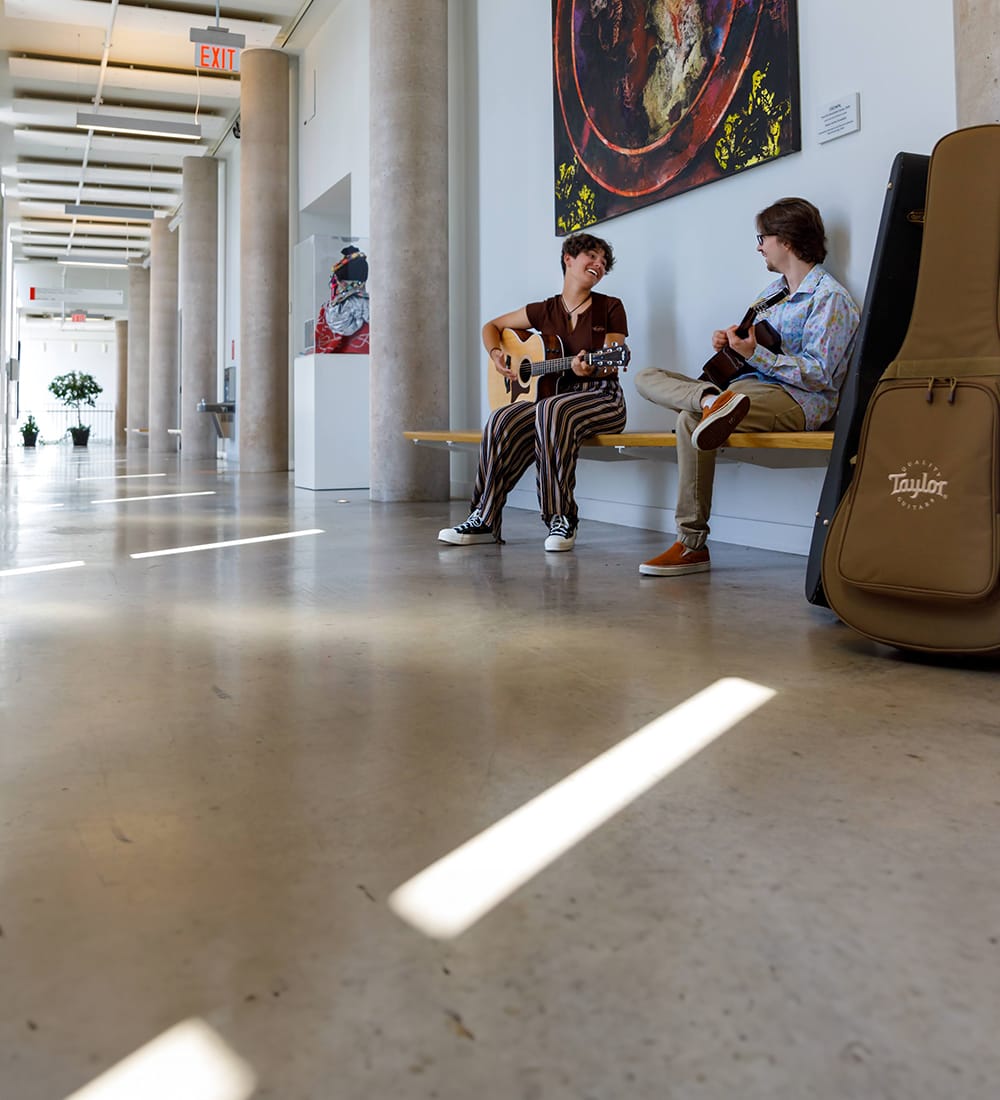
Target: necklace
[569, 311]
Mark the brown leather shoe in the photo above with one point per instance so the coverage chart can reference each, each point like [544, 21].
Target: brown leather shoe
[678, 559]
[719, 420]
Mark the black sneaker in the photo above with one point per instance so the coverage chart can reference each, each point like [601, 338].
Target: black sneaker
[562, 534]
[473, 530]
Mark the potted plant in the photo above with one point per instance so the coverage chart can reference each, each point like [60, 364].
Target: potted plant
[76, 390]
[29, 431]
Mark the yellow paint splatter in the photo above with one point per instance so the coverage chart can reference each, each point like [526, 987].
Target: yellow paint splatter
[753, 135]
[576, 204]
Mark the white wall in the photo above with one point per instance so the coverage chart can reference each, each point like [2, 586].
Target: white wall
[687, 265]
[50, 347]
[333, 112]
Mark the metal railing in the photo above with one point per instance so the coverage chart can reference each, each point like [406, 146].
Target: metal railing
[57, 420]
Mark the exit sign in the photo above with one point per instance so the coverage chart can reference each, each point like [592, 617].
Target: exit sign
[78, 317]
[224, 59]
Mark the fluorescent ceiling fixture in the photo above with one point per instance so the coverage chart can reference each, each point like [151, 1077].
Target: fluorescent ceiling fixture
[116, 477]
[218, 36]
[92, 263]
[146, 127]
[230, 542]
[125, 213]
[41, 568]
[191, 1060]
[158, 496]
[452, 894]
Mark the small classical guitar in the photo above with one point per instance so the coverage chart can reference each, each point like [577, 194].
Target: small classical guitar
[725, 365]
[539, 360]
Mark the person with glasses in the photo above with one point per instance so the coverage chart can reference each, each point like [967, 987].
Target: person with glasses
[794, 388]
[551, 430]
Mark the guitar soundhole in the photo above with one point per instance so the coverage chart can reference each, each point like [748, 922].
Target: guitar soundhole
[524, 372]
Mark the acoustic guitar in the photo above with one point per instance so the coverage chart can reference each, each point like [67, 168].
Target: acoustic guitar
[725, 365]
[539, 360]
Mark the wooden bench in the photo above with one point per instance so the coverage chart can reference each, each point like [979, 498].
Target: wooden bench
[625, 442]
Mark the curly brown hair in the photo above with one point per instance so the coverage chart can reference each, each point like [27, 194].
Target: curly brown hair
[586, 242]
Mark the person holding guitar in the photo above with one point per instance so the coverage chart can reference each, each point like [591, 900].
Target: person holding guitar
[783, 374]
[582, 400]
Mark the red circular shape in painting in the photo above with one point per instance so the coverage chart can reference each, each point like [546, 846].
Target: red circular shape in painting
[604, 67]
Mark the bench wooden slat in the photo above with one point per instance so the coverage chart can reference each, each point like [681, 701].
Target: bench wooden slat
[792, 441]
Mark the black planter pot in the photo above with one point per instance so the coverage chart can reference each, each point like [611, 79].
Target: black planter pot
[80, 436]
[30, 438]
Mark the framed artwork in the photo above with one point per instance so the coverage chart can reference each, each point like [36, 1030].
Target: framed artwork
[656, 97]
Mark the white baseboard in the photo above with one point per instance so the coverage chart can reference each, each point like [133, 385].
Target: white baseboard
[784, 537]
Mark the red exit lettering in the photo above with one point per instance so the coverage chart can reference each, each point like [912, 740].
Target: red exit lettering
[223, 58]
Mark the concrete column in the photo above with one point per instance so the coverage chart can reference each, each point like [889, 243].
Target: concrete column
[199, 305]
[977, 73]
[138, 356]
[163, 359]
[121, 404]
[262, 363]
[408, 102]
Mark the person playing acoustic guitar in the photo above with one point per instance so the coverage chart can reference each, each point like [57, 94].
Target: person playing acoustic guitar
[793, 388]
[549, 431]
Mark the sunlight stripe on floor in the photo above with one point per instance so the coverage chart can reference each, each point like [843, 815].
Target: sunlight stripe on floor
[190, 1061]
[116, 477]
[229, 542]
[452, 894]
[41, 568]
[157, 496]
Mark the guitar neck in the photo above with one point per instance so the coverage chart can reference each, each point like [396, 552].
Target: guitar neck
[751, 315]
[553, 366]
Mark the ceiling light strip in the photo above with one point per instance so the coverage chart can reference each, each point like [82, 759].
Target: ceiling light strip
[93, 263]
[124, 213]
[143, 127]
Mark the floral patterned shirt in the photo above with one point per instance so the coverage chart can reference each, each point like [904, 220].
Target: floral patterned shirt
[817, 325]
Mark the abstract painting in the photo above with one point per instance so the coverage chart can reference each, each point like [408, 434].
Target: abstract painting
[656, 97]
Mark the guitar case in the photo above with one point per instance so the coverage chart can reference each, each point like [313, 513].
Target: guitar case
[912, 557]
[892, 283]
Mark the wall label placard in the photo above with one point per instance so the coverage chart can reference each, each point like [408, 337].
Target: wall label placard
[839, 117]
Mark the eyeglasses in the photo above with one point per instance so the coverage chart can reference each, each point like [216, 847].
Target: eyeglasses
[761, 236]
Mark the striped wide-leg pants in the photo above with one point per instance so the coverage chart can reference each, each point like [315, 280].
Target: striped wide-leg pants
[550, 432]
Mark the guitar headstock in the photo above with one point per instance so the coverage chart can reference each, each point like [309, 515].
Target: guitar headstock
[613, 357]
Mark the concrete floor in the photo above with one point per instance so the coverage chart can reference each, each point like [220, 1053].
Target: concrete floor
[216, 767]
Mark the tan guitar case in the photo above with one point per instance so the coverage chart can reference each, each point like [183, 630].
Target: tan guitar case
[912, 558]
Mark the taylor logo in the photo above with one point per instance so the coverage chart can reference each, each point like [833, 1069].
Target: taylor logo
[918, 485]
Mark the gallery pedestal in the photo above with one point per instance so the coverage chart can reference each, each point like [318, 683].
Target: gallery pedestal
[331, 422]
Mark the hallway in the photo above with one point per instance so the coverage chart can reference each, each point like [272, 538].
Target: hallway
[215, 768]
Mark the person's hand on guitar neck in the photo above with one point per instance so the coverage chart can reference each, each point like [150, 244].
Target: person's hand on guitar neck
[581, 368]
[584, 369]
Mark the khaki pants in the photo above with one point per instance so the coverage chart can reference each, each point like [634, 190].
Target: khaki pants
[772, 409]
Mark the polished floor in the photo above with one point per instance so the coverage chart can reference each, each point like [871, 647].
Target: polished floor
[217, 767]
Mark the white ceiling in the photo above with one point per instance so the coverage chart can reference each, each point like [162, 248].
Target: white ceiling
[56, 55]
